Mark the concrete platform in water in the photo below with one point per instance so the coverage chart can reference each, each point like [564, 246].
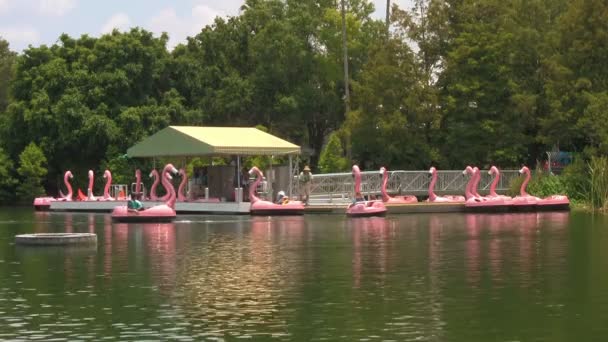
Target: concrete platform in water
[180, 207]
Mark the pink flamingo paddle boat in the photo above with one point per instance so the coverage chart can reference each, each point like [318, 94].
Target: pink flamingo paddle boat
[261, 207]
[158, 213]
[478, 203]
[553, 202]
[44, 203]
[441, 199]
[396, 199]
[363, 208]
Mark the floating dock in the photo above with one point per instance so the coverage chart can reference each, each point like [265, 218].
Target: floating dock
[242, 208]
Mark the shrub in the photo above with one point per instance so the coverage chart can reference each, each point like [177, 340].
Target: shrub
[31, 171]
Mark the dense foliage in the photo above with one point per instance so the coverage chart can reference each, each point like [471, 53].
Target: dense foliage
[453, 82]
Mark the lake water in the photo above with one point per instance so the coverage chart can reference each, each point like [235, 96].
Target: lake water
[435, 277]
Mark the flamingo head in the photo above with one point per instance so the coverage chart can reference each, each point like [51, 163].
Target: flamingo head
[182, 172]
[153, 173]
[138, 173]
[524, 170]
[168, 175]
[107, 174]
[255, 170]
[170, 168]
[493, 170]
[382, 171]
[69, 174]
[432, 170]
[467, 170]
[90, 173]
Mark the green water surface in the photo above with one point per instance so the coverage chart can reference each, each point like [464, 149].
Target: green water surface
[435, 277]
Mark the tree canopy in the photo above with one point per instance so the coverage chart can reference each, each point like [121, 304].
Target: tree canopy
[452, 82]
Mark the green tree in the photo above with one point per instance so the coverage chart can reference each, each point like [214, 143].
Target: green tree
[578, 79]
[7, 60]
[31, 171]
[7, 180]
[492, 83]
[332, 157]
[71, 98]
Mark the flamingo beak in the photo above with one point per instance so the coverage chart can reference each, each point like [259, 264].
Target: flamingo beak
[150, 175]
[250, 172]
[175, 171]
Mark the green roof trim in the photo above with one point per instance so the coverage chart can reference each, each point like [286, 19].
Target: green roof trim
[183, 141]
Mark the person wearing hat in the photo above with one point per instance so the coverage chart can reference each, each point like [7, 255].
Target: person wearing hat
[305, 180]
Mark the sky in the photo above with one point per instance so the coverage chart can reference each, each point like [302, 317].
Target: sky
[36, 22]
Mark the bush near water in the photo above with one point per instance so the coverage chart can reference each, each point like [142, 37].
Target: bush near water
[488, 83]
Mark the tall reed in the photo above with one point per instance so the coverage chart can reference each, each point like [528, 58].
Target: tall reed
[598, 172]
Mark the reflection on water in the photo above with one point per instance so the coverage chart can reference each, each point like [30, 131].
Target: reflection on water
[444, 277]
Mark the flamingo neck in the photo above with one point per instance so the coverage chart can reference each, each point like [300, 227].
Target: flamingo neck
[494, 183]
[106, 189]
[66, 181]
[153, 195]
[467, 190]
[432, 195]
[252, 188]
[138, 181]
[167, 185]
[522, 190]
[357, 181]
[475, 184]
[170, 201]
[90, 184]
[385, 196]
[182, 185]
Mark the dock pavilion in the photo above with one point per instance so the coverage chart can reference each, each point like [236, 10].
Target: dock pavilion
[198, 141]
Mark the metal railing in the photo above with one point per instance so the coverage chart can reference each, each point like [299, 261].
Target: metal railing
[339, 187]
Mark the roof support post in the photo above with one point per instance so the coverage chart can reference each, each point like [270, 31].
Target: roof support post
[239, 198]
[290, 176]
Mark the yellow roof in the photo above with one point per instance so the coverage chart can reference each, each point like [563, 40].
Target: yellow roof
[206, 141]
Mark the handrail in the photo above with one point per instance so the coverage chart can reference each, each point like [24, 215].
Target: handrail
[329, 187]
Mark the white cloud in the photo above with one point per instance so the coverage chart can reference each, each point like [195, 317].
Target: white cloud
[56, 7]
[20, 36]
[178, 27]
[119, 21]
[4, 6]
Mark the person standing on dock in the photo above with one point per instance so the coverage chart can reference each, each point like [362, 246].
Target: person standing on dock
[305, 180]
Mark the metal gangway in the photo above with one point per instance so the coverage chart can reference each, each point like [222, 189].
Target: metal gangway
[337, 188]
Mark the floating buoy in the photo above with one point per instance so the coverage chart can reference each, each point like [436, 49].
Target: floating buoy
[56, 239]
